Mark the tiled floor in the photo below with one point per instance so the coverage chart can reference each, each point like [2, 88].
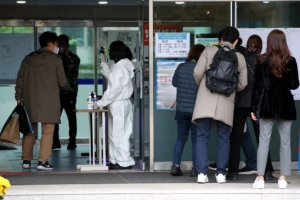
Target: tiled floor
[63, 160]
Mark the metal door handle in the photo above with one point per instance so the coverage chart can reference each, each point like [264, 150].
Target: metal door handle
[135, 78]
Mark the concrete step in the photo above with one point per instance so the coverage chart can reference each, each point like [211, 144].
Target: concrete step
[165, 191]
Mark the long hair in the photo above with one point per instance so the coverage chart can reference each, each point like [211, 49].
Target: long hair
[254, 45]
[277, 54]
[195, 52]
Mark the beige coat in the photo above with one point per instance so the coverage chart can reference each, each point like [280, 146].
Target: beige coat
[39, 80]
[213, 105]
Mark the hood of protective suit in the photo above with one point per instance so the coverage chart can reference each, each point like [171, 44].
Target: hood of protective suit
[40, 57]
[128, 65]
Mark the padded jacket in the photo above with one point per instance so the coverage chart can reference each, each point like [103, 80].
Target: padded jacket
[187, 88]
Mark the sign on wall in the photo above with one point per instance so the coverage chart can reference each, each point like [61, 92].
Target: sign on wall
[207, 42]
[172, 45]
[166, 92]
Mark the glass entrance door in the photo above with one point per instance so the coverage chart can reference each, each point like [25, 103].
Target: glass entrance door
[201, 21]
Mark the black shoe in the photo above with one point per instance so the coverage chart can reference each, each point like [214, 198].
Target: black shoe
[26, 164]
[233, 176]
[56, 145]
[268, 176]
[176, 171]
[194, 172]
[44, 166]
[213, 166]
[118, 167]
[247, 170]
[71, 146]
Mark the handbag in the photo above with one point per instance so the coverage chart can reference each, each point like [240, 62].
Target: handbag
[11, 133]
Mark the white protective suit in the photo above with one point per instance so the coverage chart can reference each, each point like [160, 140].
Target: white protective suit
[120, 116]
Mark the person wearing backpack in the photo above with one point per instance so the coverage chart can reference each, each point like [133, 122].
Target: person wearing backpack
[219, 73]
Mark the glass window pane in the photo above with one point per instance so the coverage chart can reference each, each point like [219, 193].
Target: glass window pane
[15, 44]
[81, 43]
[268, 14]
[201, 20]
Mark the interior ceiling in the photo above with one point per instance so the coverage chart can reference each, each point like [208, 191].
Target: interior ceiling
[73, 2]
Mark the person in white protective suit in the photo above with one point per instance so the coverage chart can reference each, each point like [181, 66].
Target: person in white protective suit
[117, 98]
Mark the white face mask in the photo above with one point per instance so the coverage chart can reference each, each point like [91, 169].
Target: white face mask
[56, 50]
[61, 50]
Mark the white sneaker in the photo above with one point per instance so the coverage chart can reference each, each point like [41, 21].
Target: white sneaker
[220, 178]
[282, 184]
[259, 184]
[202, 178]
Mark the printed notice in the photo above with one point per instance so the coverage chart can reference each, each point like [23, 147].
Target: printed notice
[166, 92]
[172, 45]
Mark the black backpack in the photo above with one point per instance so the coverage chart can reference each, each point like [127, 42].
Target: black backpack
[222, 77]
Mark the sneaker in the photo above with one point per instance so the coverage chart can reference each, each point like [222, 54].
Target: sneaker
[247, 170]
[44, 166]
[258, 184]
[194, 172]
[282, 184]
[220, 178]
[213, 166]
[202, 178]
[176, 171]
[26, 164]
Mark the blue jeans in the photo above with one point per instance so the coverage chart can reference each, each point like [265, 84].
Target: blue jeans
[249, 150]
[184, 125]
[223, 136]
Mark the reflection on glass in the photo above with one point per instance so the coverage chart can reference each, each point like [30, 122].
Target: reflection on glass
[276, 14]
[15, 42]
[81, 43]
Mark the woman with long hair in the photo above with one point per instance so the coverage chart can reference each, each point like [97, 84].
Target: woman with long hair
[276, 75]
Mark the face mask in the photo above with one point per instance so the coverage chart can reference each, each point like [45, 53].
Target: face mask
[61, 50]
[56, 50]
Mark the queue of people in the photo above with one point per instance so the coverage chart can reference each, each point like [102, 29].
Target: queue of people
[263, 93]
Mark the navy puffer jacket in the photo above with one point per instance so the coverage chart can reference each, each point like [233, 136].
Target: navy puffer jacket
[186, 86]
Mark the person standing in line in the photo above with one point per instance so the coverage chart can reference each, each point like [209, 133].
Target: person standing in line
[117, 98]
[214, 107]
[71, 64]
[243, 110]
[186, 95]
[39, 80]
[276, 75]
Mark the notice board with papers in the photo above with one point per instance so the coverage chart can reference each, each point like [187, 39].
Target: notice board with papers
[172, 45]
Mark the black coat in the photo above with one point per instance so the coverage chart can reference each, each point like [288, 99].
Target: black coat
[272, 97]
[243, 98]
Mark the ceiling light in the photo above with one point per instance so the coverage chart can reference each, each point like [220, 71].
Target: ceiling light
[266, 2]
[179, 2]
[21, 2]
[102, 2]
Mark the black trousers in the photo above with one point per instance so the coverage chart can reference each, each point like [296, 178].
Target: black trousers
[236, 137]
[68, 103]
